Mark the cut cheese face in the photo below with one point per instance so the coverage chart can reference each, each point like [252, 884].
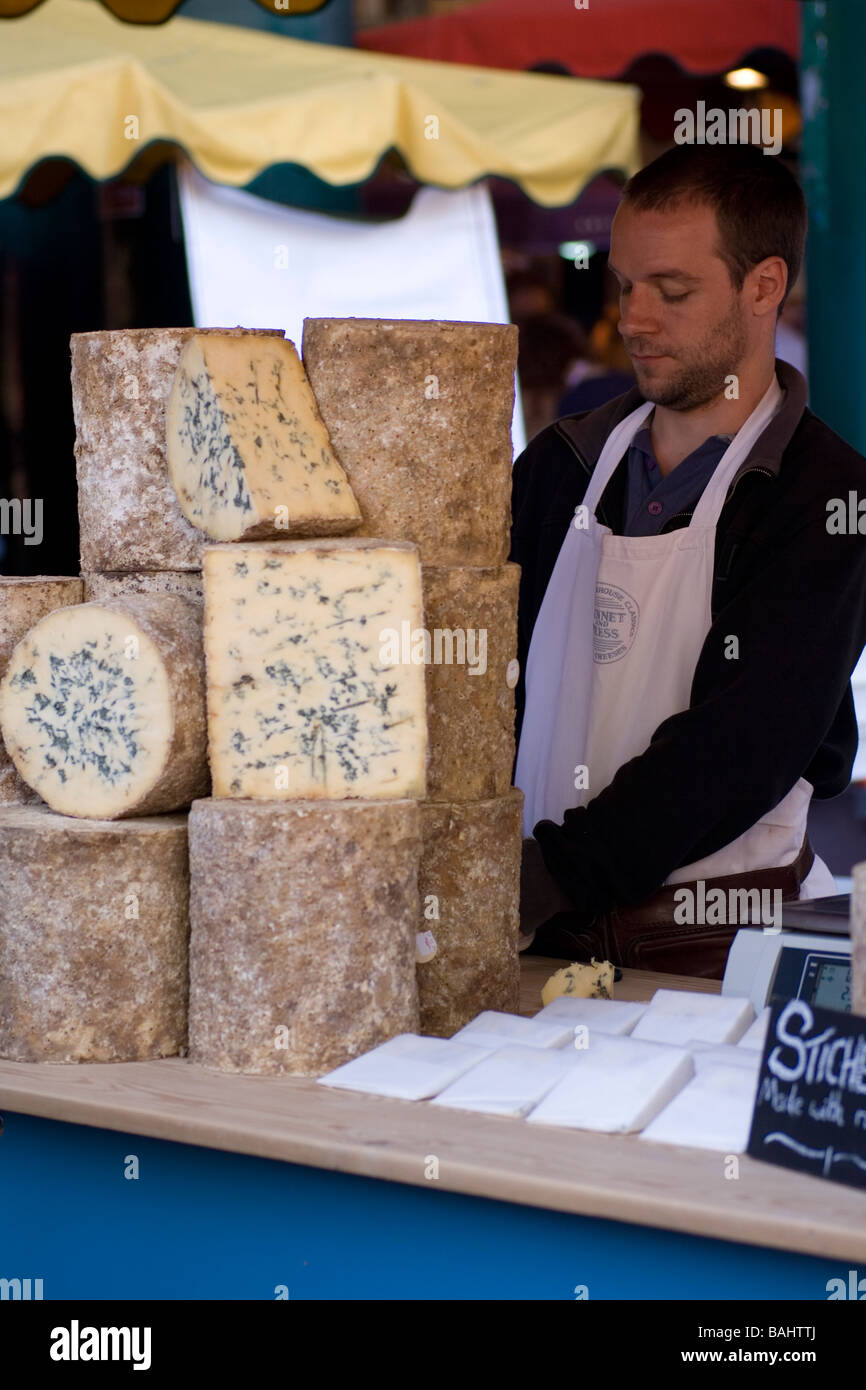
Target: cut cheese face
[303, 698]
[102, 709]
[247, 452]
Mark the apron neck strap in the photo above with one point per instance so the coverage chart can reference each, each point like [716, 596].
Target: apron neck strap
[713, 497]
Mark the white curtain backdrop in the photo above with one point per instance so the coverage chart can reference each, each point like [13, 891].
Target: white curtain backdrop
[262, 265]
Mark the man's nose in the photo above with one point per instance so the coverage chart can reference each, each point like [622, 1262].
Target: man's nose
[638, 314]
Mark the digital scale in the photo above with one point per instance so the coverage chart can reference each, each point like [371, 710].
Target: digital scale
[808, 958]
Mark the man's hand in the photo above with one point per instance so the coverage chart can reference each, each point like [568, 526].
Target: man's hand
[540, 897]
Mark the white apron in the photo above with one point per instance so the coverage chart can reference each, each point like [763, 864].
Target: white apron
[642, 606]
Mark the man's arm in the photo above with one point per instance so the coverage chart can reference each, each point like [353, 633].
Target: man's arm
[754, 724]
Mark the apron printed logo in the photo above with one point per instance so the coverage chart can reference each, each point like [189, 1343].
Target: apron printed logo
[614, 624]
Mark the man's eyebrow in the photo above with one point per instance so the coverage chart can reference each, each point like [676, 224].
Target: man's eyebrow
[659, 274]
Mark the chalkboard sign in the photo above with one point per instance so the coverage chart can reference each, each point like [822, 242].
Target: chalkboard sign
[810, 1108]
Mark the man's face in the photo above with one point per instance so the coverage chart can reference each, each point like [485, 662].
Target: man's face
[682, 321]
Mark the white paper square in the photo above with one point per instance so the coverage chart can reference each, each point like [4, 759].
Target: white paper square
[756, 1034]
[706, 1055]
[714, 1111]
[508, 1082]
[617, 1016]
[493, 1029]
[408, 1067]
[675, 1016]
[615, 1085]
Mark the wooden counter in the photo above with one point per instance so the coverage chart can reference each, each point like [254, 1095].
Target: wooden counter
[610, 1176]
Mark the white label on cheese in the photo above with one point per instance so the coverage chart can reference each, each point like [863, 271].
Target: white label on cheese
[425, 946]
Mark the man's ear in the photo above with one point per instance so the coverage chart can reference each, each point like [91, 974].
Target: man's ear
[766, 283]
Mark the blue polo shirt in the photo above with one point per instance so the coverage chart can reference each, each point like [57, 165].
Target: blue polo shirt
[652, 500]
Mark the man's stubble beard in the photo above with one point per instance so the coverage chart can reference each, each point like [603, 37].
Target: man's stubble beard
[702, 377]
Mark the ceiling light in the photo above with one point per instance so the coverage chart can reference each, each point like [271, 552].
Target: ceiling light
[746, 79]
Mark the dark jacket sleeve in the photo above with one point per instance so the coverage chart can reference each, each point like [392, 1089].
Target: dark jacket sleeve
[756, 720]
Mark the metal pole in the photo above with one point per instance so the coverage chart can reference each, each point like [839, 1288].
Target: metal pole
[833, 159]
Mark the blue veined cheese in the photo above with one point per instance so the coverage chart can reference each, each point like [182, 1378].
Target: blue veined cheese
[301, 702]
[102, 707]
[248, 454]
[592, 981]
[23, 601]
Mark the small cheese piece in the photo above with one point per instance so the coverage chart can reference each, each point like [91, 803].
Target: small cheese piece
[419, 414]
[184, 583]
[592, 981]
[714, 1111]
[23, 601]
[679, 1015]
[129, 516]
[248, 455]
[307, 692]
[470, 618]
[616, 1085]
[93, 937]
[617, 1016]
[102, 707]
[302, 945]
[406, 1068]
[470, 898]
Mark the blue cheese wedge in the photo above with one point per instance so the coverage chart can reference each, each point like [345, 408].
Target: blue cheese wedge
[307, 693]
[102, 707]
[248, 455]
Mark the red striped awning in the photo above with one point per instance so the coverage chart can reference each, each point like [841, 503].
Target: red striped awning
[600, 40]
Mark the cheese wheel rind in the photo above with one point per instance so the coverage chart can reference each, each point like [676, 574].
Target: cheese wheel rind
[93, 937]
[419, 414]
[100, 585]
[470, 614]
[469, 884]
[302, 943]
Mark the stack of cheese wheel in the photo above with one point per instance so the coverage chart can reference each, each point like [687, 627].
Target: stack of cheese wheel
[351, 596]
[102, 710]
[304, 862]
[419, 414]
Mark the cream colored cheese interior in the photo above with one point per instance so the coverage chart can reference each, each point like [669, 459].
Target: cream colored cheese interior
[86, 712]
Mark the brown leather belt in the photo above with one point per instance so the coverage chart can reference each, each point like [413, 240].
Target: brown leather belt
[647, 935]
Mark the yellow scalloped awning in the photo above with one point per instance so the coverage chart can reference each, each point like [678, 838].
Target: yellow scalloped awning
[155, 11]
[79, 84]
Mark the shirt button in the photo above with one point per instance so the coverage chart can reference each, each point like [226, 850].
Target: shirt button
[654, 508]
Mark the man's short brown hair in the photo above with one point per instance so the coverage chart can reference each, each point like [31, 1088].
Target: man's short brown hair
[759, 206]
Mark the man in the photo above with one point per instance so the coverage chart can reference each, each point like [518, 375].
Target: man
[689, 615]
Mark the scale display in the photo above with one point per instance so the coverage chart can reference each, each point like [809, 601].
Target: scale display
[822, 978]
